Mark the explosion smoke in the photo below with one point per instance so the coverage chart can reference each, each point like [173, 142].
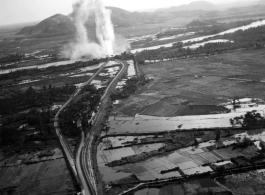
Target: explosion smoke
[106, 44]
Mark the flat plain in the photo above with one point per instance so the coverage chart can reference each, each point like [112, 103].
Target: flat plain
[202, 81]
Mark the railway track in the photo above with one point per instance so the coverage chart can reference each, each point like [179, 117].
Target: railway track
[69, 156]
[86, 149]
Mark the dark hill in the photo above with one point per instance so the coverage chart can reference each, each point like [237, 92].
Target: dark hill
[59, 24]
[53, 26]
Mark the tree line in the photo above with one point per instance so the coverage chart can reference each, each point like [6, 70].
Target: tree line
[251, 38]
[129, 88]
[32, 98]
[76, 116]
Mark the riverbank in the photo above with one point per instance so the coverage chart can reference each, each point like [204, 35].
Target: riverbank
[201, 38]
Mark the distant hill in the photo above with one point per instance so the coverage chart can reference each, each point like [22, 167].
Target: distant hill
[59, 24]
[120, 17]
[198, 23]
[238, 13]
[53, 26]
[196, 5]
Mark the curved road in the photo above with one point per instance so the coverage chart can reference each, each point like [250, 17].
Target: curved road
[65, 146]
[84, 161]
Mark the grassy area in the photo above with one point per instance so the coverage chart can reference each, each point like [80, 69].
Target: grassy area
[202, 110]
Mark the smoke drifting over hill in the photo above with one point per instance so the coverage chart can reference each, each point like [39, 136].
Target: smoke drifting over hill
[106, 44]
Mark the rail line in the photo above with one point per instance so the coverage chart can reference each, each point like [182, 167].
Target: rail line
[86, 148]
[71, 161]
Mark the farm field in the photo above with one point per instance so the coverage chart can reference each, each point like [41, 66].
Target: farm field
[185, 94]
[190, 160]
[205, 157]
[195, 187]
[46, 175]
[197, 81]
[245, 183]
[153, 124]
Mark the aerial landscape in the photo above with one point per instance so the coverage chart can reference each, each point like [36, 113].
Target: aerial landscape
[112, 97]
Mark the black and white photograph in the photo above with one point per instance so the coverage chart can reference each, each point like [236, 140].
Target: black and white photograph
[132, 97]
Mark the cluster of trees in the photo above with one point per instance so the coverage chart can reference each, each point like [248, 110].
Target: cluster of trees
[71, 67]
[201, 23]
[213, 28]
[39, 116]
[13, 58]
[11, 136]
[31, 98]
[171, 32]
[76, 115]
[39, 119]
[244, 142]
[124, 56]
[129, 88]
[250, 119]
[42, 119]
[177, 51]
[251, 38]
[213, 48]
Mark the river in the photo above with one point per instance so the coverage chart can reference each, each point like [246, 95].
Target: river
[254, 24]
[43, 66]
[62, 63]
[196, 45]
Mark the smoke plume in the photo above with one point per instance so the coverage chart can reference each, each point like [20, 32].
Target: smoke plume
[106, 42]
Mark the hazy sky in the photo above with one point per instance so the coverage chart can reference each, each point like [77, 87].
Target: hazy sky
[18, 11]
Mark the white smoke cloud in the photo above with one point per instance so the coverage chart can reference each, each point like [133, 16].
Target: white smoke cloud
[104, 29]
[107, 43]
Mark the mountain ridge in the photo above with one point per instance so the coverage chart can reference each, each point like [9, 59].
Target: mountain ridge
[195, 5]
[60, 24]
[57, 24]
